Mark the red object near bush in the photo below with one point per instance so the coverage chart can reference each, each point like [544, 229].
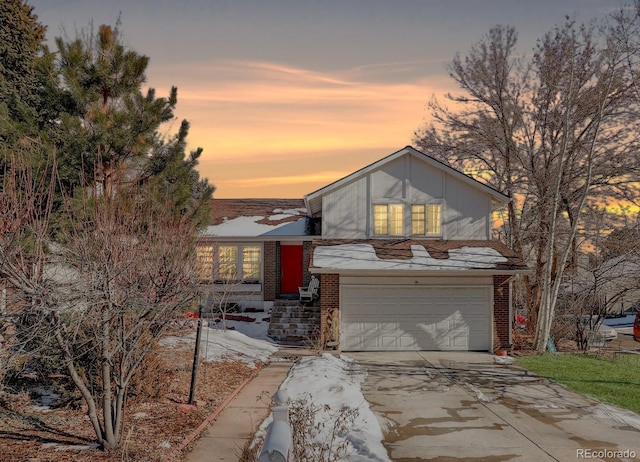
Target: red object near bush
[190, 314]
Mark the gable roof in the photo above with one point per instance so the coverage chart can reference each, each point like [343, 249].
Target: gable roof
[256, 217]
[313, 200]
[344, 255]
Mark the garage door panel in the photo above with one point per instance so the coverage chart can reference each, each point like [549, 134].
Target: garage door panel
[415, 318]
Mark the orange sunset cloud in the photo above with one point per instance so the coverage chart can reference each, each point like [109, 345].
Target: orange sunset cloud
[258, 110]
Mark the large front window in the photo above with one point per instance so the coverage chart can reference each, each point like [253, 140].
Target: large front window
[239, 263]
[388, 219]
[229, 262]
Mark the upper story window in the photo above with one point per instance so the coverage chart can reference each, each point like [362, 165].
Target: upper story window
[426, 219]
[230, 263]
[388, 219]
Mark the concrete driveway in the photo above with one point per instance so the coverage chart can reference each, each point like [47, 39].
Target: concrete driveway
[463, 406]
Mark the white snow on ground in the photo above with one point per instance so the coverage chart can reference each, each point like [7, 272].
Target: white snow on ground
[257, 329]
[217, 344]
[328, 380]
[363, 256]
[46, 398]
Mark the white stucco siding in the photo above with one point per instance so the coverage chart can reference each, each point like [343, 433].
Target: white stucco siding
[389, 182]
[345, 212]
[426, 184]
[467, 211]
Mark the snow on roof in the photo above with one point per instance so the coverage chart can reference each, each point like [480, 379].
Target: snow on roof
[257, 217]
[251, 226]
[364, 257]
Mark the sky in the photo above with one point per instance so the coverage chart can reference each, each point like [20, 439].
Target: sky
[287, 96]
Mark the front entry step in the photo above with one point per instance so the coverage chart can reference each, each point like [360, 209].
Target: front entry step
[294, 324]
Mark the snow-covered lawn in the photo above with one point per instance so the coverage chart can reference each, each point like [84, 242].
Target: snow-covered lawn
[241, 341]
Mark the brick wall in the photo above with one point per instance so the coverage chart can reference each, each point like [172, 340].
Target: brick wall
[501, 312]
[306, 259]
[270, 279]
[329, 305]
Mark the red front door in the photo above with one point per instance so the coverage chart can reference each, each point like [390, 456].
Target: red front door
[290, 268]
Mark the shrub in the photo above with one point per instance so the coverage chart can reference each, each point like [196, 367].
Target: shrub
[150, 380]
[318, 432]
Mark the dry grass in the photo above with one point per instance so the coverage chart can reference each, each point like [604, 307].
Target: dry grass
[153, 427]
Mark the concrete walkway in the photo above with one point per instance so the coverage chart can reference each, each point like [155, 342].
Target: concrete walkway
[226, 437]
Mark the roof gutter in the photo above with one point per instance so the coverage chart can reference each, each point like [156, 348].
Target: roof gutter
[459, 273]
[209, 238]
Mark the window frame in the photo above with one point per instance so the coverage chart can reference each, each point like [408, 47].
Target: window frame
[239, 265]
[205, 261]
[388, 222]
[430, 227]
[429, 221]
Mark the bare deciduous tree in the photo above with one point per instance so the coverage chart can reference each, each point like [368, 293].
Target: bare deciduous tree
[556, 133]
[121, 268]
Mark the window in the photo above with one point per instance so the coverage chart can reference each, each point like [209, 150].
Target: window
[251, 262]
[380, 219]
[388, 219]
[228, 262]
[418, 220]
[204, 268]
[426, 220]
[239, 263]
[434, 219]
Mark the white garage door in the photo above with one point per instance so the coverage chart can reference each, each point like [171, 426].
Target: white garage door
[415, 318]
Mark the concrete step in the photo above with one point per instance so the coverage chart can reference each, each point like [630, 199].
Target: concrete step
[298, 317]
[292, 323]
[286, 303]
[295, 312]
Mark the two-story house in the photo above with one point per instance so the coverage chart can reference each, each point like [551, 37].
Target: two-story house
[402, 248]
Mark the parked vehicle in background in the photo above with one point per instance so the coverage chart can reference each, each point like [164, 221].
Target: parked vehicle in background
[636, 327]
[595, 325]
